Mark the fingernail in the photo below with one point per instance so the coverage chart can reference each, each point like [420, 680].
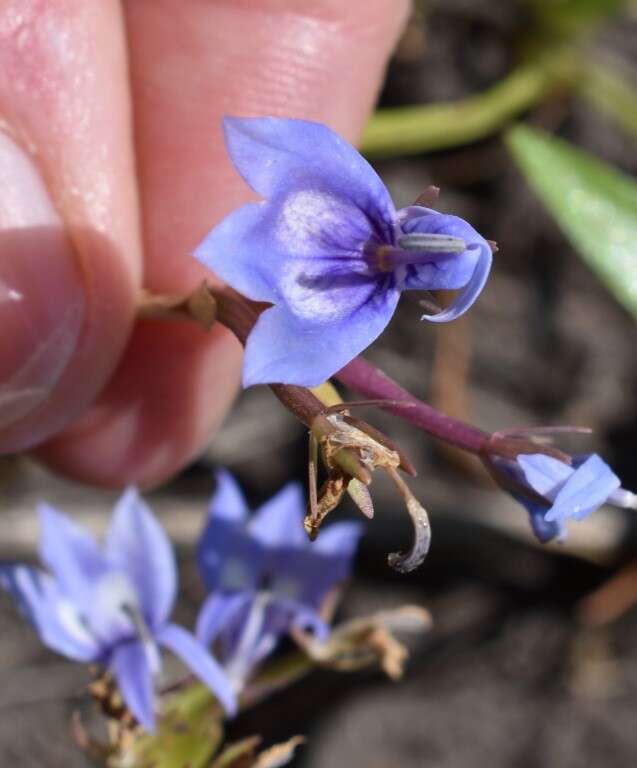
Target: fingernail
[41, 294]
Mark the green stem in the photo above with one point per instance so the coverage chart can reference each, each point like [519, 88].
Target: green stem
[612, 93]
[410, 130]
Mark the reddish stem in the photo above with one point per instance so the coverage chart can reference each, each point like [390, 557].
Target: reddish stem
[371, 382]
[236, 312]
[240, 314]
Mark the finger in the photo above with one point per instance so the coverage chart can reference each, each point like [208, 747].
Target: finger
[192, 62]
[69, 242]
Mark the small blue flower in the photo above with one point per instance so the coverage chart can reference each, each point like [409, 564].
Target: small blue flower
[328, 249]
[264, 575]
[111, 605]
[571, 491]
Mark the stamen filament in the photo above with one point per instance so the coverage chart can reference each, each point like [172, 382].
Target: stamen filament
[240, 665]
[144, 635]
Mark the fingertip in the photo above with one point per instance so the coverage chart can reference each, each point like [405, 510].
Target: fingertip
[70, 261]
[52, 308]
[170, 392]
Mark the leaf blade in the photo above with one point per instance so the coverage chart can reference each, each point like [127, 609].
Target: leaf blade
[594, 205]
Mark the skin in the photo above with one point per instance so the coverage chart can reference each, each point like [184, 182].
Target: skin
[118, 106]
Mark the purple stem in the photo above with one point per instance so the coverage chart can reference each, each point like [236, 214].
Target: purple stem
[240, 314]
[372, 383]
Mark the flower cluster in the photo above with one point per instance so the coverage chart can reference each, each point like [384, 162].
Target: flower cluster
[329, 250]
[110, 605]
[265, 577]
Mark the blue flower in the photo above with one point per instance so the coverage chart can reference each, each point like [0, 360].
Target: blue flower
[328, 249]
[571, 491]
[264, 575]
[111, 605]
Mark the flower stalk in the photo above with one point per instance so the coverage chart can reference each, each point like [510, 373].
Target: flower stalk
[522, 462]
[371, 382]
[239, 315]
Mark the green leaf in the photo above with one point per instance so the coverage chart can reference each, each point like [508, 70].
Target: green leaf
[594, 204]
[573, 16]
[188, 735]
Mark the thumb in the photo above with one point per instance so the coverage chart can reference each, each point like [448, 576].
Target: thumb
[69, 251]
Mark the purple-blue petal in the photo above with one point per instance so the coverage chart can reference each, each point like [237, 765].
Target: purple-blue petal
[129, 665]
[240, 251]
[220, 612]
[54, 618]
[467, 296]
[139, 546]
[410, 213]
[70, 553]
[305, 575]
[468, 270]
[303, 248]
[228, 501]
[283, 615]
[339, 539]
[271, 153]
[298, 243]
[588, 487]
[544, 530]
[279, 522]
[282, 350]
[544, 474]
[184, 645]
[228, 557]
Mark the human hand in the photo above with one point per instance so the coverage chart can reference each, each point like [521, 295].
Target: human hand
[113, 168]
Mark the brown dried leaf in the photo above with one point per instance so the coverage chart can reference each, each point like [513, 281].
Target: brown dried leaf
[279, 754]
[93, 749]
[243, 754]
[240, 754]
[330, 494]
[365, 641]
[199, 306]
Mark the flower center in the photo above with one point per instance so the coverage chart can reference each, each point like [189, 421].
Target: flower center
[114, 613]
[145, 637]
[235, 575]
[287, 588]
